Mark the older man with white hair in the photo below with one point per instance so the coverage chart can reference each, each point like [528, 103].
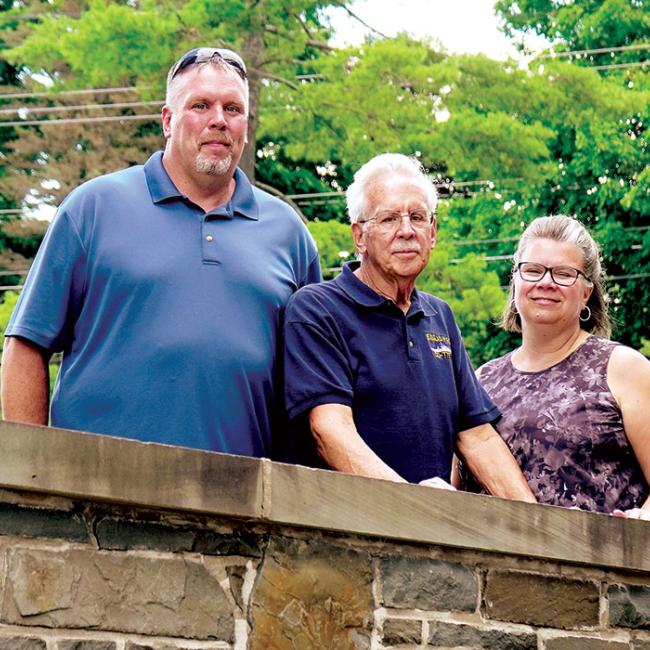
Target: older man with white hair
[376, 371]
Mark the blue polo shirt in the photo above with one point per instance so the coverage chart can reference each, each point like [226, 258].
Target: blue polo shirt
[168, 317]
[406, 377]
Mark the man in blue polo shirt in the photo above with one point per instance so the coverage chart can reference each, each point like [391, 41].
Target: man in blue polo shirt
[375, 370]
[163, 285]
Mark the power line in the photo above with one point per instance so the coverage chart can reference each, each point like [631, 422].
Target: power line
[81, 120]
[620, 65]
[78, 107]
[597, 50]
[84, 91]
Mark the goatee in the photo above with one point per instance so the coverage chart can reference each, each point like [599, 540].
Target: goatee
[205, 165]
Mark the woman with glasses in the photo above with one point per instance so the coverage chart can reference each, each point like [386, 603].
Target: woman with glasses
[572, 401]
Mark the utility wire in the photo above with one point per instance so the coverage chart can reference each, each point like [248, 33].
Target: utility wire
[81, 120]
[620, 65]
[84, 91]
[597, 50]
[79, 107]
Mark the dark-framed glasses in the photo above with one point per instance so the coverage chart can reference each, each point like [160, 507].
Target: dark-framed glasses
[391, 221]
[206, 54]
[565, 276]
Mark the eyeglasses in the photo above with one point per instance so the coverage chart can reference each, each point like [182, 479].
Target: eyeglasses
[391, 221]
[565, 276]
[209, 54]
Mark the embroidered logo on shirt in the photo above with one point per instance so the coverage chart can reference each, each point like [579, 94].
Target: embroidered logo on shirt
[440, 346]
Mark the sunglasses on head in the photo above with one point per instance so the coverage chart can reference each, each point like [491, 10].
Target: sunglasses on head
[210, 54]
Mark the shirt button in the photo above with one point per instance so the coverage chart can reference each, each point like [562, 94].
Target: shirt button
[209, 238]
[411, 344]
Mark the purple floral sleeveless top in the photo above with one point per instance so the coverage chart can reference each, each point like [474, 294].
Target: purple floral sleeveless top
[565, 430]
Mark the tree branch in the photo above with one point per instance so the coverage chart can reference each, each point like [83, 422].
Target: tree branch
[269, 75]
[354, 16]
[320, 45]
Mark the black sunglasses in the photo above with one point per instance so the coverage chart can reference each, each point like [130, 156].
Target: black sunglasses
[206, 54]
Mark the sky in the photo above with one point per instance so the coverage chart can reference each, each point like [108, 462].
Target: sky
[460, 25]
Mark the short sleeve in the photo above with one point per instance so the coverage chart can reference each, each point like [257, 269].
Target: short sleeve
[316, 366]
[474, 404]
[51, 299]
[314, 274]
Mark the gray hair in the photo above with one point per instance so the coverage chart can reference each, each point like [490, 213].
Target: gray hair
[397, 163]
[564, 229]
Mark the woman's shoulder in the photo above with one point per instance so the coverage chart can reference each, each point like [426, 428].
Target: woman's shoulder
[494, 366]
[628, 362]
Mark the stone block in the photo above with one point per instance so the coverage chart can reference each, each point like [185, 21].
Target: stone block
[114, 591]
[238, 542]
[629, 606]
[541, 600]
[85, 644]
[178, 645]
[584, 643]
[21, 643]
[402, 630]
[452, 635]
[41, 522]
[120, 534]
[311, 595]
[423, 583]
[640, 644]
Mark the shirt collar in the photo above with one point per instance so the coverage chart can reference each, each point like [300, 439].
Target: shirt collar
[161, 188]
[362, 294]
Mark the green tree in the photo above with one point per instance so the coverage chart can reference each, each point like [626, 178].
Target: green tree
[603, 165]
[278, 39]
[592, 24]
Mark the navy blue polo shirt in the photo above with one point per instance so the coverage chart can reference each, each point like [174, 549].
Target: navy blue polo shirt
[168, 317]
[406, 377]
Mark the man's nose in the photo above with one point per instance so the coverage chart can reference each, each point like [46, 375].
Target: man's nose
[405, 228]
[217, 117]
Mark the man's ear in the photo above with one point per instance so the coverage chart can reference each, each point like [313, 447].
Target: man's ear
[166, 118]
[359, 235]
[434, 233]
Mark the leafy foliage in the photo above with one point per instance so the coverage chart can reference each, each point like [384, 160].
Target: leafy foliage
[506, 144]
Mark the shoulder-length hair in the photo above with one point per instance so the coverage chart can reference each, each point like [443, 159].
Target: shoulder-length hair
[564, 229]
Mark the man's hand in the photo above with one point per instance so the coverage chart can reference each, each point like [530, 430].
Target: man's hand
[437, 482]
[633, 513]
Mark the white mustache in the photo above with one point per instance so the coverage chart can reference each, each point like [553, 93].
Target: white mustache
[405, 249]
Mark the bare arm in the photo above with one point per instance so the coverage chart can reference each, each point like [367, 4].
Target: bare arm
[628, 376]
[25, 382]
[341, 446]
[490, 461]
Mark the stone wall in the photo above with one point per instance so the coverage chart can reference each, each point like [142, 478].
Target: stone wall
[108, 544]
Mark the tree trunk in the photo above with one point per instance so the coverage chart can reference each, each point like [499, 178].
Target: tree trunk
[253, 54]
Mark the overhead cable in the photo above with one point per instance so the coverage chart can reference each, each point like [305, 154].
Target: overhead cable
[78, 107]
[620, 65]
[596, 50]
[78, 120]
[84, 91]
